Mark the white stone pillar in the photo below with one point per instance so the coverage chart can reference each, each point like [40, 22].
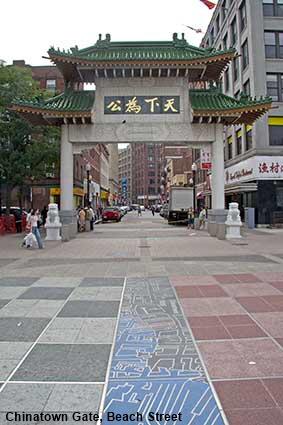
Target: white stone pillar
[66, 171]
[217, 170]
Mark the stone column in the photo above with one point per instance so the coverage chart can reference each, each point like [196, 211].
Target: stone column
[217, 169]
[67, 213]
[217, 215]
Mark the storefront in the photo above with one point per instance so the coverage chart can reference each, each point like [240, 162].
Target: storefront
[257, 182]
[78, 196]
[104, 196]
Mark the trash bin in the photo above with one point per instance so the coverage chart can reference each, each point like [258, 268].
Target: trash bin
[250, 218]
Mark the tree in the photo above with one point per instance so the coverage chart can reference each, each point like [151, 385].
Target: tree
[26, 152]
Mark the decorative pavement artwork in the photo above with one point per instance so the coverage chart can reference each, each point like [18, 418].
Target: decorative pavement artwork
[56, 338]
[156, 368]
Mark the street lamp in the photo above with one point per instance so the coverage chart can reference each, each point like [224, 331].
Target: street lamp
[194, 169]
[88, 167]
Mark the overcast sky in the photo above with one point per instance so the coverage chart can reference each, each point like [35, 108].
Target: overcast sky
[29, 28]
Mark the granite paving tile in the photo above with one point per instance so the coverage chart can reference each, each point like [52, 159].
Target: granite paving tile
[245, 331]
[65, 363]
[243, 394]
[46, 293]
[275, 388]
[255, 304]
[192, 280]
[280, 341]
[247, 289]
[31, 308]
[237, 278]
[253, 358]
[211, 306]
[210, 333]
[3, 302]
[102, 281]
[90, 309]
[270, 276]
[17, 281]
[59, 282]
[21, 328]
[277, 285]
[74, 398]
[271, 322]
[10, 292]
[255, 416]
[92, 293]
[24, 397]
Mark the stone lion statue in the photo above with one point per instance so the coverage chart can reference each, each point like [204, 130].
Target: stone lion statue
[53, 214]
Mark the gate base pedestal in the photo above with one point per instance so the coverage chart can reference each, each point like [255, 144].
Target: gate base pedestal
[69, 224]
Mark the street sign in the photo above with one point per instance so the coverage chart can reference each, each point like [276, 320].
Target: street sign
[205, 158]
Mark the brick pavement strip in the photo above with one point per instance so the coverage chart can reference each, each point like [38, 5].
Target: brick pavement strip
[230, 294]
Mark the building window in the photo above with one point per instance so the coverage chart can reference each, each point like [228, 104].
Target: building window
[239, 142]
[217, 25]
[273, 7]
[212, 36]
[273, 44]
[249, 139]
[275, 126]
[230, 144]
[273, 82]
[51, 85]
[236, 68]
[225, 42]
[224, 9]
[247, 88]
[226, 80]
[245, 55]
[234, 32]
[243, 15]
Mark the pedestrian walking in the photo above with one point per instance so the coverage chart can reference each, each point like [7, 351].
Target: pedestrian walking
[202, 217]
[91, 216]
[139, 211]
[33, 221]
[152, 210]
[191, 218]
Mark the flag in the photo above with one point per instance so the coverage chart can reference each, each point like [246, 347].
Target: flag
[197, 30]
[208, 3]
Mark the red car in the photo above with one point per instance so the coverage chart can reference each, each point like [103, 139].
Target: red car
[111, 214]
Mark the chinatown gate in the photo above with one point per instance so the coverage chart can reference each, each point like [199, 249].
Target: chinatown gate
[146, 92]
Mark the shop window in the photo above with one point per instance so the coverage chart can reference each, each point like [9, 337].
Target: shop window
[275, 126]
[234, 35]
[243, 15]
[230, 145]
[245, 55]
[272, 7]
[273, 41]
[239, 142]
[249, 139]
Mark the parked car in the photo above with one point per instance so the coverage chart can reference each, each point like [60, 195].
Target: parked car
[111, 214]
[124, 209]
[142, 207]
[12, 210]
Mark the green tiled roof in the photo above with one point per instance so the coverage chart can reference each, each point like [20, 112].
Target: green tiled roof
[68, 101]
[209, 100]
[106, 50]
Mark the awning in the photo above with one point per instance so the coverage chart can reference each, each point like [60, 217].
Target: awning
[239, 188]
[200, 195]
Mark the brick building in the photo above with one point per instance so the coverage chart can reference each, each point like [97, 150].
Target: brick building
[125, 175]
[146, 172]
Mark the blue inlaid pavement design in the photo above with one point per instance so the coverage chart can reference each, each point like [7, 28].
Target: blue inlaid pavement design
[155, 366]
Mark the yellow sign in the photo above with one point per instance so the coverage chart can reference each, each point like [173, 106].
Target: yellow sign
[104, 195]
[57, 191]
[77, 191]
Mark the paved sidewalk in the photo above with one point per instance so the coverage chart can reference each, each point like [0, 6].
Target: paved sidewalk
[140, 316]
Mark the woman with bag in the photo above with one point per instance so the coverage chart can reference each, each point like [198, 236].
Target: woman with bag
[33, 222]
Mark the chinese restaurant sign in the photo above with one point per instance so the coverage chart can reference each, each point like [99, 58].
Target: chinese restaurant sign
[254, 168]
[135, 105]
